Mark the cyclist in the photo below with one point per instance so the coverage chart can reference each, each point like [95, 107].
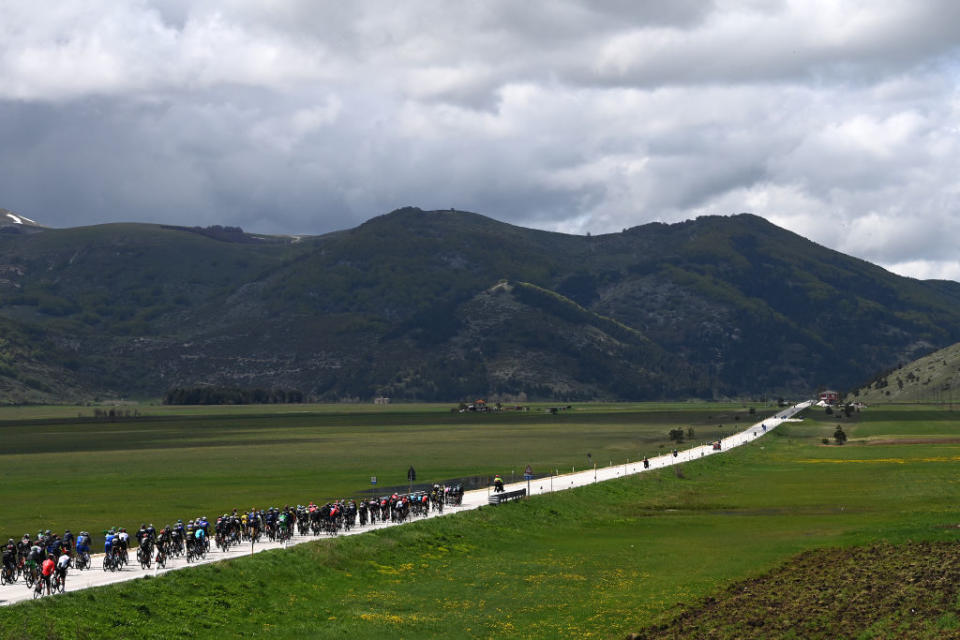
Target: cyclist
[122, 542]
[163, 542]
[204, 524]
[35, 555]
[83, 545]
[176, 536]
[10, 560]
[497, 483]
[269, 520]
[146, 550]
[23, 549]
[201, 535]
[46, 571]
[62, 563]
[67, 541]
[109, 538]
[54, 545]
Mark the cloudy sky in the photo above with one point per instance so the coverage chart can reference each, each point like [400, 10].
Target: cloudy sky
[837, 120]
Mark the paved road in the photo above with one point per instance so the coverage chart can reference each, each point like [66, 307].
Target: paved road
[471, 500]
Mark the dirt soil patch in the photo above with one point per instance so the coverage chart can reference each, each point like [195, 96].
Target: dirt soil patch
[883, 591]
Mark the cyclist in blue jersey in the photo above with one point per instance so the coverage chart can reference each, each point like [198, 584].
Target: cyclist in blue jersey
[83, 542]
[108, 538]
[200, 537]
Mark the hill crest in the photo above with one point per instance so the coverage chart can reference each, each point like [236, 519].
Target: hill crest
[405, 305]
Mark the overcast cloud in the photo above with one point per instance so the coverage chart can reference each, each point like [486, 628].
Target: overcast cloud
[837, 120]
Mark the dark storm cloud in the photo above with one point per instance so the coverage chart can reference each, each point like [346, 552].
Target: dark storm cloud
[836, 120]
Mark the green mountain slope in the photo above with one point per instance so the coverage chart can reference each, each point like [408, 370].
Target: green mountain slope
[408, 305]
[932, 378]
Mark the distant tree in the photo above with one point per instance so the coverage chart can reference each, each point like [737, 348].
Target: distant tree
[691, 433]
[226, 395]
[829, 410]
[753, 411]
[839, 436]
[676, 435]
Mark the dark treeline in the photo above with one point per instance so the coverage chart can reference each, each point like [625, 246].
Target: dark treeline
[227, 395]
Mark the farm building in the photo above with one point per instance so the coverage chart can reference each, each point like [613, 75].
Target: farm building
[829, 397]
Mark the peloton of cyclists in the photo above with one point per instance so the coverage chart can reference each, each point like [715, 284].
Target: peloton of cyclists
[37, 555]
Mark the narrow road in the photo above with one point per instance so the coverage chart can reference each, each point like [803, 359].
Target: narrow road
[96, 576]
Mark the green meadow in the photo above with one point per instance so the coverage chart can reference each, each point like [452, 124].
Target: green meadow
[601, 561]
[71, 470]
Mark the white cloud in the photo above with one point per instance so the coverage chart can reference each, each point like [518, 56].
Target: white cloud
[837, 120]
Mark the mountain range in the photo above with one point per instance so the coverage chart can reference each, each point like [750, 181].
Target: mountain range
[451, 305]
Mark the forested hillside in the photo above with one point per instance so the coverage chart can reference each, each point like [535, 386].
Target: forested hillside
[448, 305]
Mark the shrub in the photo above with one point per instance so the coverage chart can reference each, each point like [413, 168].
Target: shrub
[839, 436]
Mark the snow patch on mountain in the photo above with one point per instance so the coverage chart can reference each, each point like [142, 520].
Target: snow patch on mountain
[11, 218]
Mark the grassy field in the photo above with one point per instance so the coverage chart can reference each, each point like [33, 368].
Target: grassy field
[183, 462]
[601, 561]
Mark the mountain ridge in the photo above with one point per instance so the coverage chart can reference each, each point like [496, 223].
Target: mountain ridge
[441, 305]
